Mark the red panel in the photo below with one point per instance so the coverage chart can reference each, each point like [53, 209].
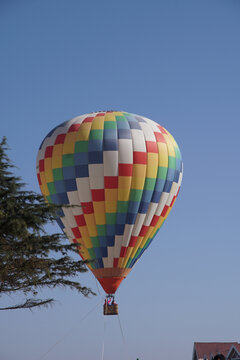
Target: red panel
[87, 207]
[125, 169]
[60, 139]
[39, 179]
[76, 232]
[160, 137]
[100, 114]
[123, 251]
[165, 209]
[115, 262]
[98, 195]
[151, 146]
[80, 220]
[133, 241]
[139, 157]
[110, 182]
[144, 230]
[110, 284]
[48, 152]
[172, 202]
[41, 165]
[88, 119]
[162, 129]
[74, 127]
[154, 220]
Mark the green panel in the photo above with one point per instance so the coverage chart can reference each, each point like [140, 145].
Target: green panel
[96, 134]
[49, 199]
[162, 172]
[136, 195]
[92, 253]
[122, 206]
[120, 118]
[81, 146]
[177, 152]
[110, 125]
[51, 188]
[68, 160]
[95, 241]
[149, 184]
[101, 230]
[172, 162]
[57, 174]
[111, 218]
[129, 262]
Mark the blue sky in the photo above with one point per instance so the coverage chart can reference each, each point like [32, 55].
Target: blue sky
[176, 62]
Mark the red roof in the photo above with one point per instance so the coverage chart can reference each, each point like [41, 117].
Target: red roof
[213, 348]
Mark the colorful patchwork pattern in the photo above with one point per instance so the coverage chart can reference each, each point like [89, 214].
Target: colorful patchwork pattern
[122, 172]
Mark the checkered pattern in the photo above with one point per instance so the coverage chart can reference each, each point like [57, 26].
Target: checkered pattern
[122, 172]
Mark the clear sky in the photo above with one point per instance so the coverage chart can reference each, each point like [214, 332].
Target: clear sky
[178, 63]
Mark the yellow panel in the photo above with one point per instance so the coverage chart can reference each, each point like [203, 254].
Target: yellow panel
[99, 207]
[170, 146]
[109, 117]
[124, 182]
[83, 131]
[163, 155]
[49, 176]
[172, 139]
[56, 162]
[111, 206]
[98, 123]
[44, 189]
[90, 220]
[135, 249]
[57, 150]
[42, 177]
[127, 256]
[118, 113]
[111, 194]
[92, 230]
[139, 174]
[69, 143]
[84, 232]
[123, 194]
[120, 262]
[152, 165]
[47, 164]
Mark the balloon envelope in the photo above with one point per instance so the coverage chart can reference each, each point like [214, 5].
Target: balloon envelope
[123, 172]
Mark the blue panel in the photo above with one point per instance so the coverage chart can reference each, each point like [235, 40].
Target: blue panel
[95, 157]
[63, 198]
[121, 218]
[131, 218]
[120, 229]
[100, 262]
[176, 176]
[147, 195]
[81, 158]
[95, 145]
[59, 186]
[97, 252]
[110, 134]
[159, 186]
[134, 125]
[170, 174]
[104, 252]
[60, 212]
[156, 196]
[133, 206]
[56, 199]
[110, 229]
[110, 144]
[138, 118]
[70, 185]
[178, 164]
[122, 125]
[110, 240]
[59, 221]
[81, 171]
[102, 241]
[124, 134]
[143, 208]
[69, 172]
[167, 187]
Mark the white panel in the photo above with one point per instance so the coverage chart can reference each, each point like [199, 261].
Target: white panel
[117, 246]
[150, 213]
[173, 192]
[84, 192]
[74, 200]
[162, 203]
[138, 140]
[110, 163]
[125, 151]
[96, 176]
[69, 217]
[127, 234]
[138, 224]
[110, 257]
[105, 262]
[148, 132]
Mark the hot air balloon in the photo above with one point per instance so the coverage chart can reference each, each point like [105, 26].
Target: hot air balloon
[123, 172]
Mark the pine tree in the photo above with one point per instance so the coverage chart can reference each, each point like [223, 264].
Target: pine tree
[30, 259]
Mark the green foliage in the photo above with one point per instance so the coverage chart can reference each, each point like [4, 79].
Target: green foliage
[30, 259]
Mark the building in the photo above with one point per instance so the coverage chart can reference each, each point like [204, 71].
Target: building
[216, 351]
